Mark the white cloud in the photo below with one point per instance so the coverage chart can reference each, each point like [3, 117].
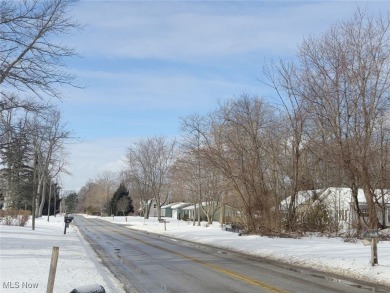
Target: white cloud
[156, 90]
[184, 31]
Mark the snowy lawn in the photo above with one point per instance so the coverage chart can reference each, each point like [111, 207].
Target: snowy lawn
[25, 257]
[321, 253]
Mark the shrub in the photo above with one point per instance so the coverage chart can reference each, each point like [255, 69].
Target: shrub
[13, 217]
[317, 219]
[23, 217]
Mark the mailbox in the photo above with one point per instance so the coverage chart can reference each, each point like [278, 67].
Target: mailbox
[371, 234]
[68, 219]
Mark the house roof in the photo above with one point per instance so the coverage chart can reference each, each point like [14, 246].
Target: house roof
[303, 197]
[344, 195]
[168, 205]
[180, 205]
[192, 206]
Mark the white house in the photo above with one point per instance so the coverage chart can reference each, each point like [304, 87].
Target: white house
[173, 210]
[177, 209]
[153, 208]
[166, 210]
[339, 202]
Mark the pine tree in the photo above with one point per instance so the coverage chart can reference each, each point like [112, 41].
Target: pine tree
[125, 207]
[16, 172]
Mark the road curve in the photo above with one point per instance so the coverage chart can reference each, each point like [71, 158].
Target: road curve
[145, 262]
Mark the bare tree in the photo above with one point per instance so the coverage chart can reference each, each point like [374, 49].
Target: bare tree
[32, 65]
[282, 79]
[345, 77]
[106, 183]
[341, 81]
[137, 178]
[31, 53]
[95, 196]
[234, 142]
[123, 205]
[149, 161]
[49, 148]
[201, 179]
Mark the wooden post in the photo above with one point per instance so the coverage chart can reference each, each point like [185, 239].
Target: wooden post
[374, 251]
[165, 225]
[53, 269]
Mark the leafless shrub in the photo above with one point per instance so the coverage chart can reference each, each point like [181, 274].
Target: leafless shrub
[13, 217]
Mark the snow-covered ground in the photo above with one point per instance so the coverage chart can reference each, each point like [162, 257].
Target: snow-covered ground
[25, 254]
[25, 257]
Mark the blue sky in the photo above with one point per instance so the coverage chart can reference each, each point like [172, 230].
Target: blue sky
[146, 64]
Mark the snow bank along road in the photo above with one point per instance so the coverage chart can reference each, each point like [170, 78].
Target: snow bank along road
[145, 262]
[25, 259]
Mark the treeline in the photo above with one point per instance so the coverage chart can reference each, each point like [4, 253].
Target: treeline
[328, 126]
[103, 198]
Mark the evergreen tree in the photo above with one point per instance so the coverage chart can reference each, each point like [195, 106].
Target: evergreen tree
[15, 170]
[71, 202]
[126, 205]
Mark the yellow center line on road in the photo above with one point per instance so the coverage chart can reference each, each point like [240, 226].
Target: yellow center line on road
[246, 279]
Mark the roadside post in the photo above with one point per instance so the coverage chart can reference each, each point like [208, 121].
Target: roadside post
[372, 238]
[374, 251]
[53, 269]
[165, 223]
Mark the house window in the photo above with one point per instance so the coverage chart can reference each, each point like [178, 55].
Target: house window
[364, 211]
[154, 206]
[388, 215]
[343, 215]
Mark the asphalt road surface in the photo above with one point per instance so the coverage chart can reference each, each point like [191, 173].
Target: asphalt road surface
[145, 262]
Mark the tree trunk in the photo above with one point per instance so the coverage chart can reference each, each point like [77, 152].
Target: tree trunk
[147, 211]
[35, 182]
[198, 210]
[356, 208]
[48, 205]
[373, 216]
[43, 198]
[158, 208]
[39, 195]
[383, 208]
[222, 217]
[55, 203]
